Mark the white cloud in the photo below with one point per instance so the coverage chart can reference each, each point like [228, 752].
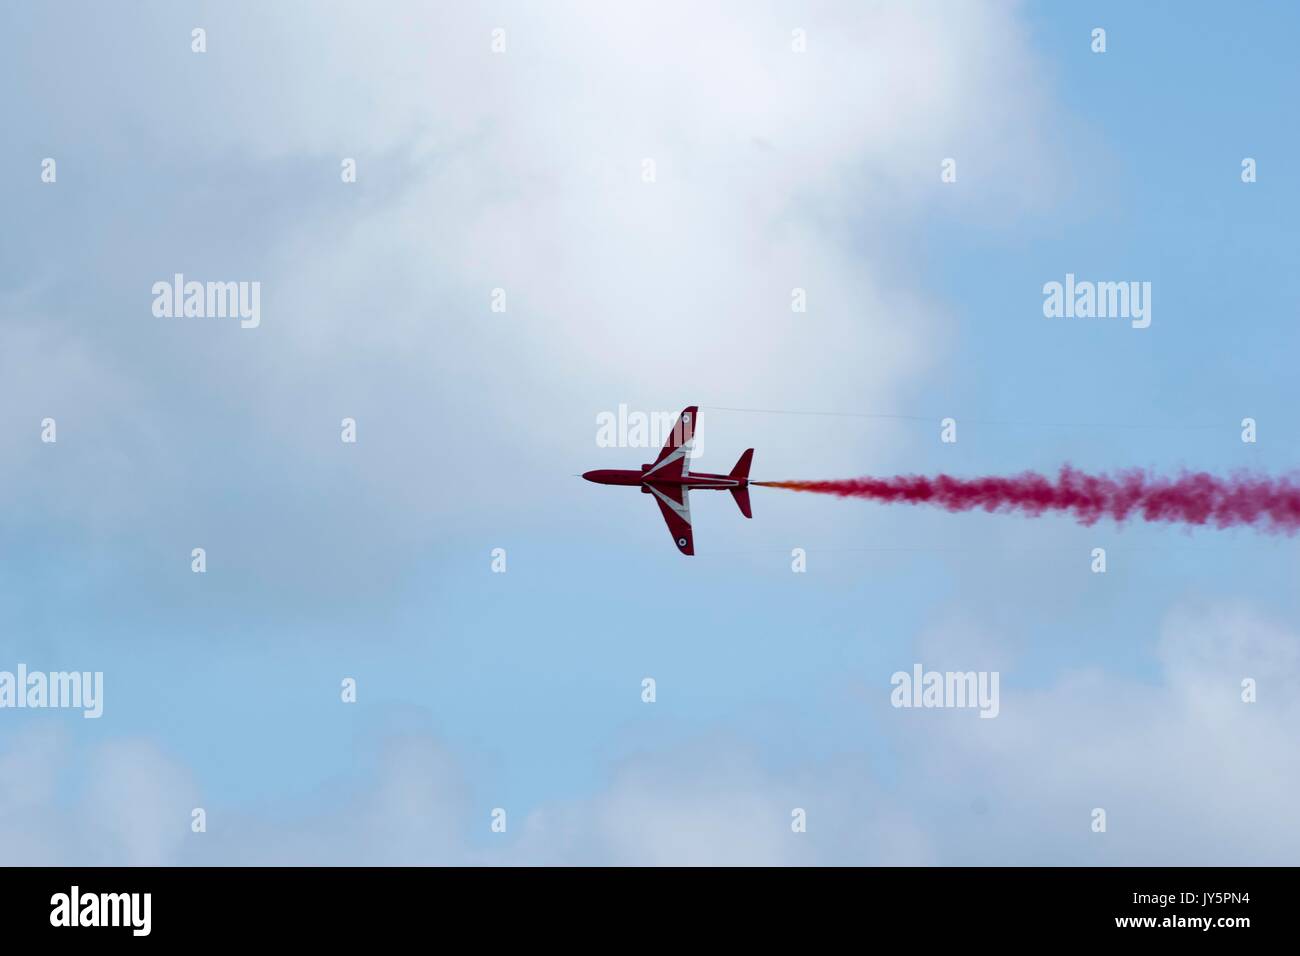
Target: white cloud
[132, 804]
[1187, 773]
[523, 170]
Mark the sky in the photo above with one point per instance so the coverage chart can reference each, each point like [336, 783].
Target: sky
[517, 161]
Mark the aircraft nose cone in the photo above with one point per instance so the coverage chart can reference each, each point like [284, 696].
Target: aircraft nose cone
[589, 475]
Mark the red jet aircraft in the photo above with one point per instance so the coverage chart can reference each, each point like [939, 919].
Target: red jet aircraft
[670, 480]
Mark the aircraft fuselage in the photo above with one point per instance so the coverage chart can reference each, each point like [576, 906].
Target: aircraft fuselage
[694, 480]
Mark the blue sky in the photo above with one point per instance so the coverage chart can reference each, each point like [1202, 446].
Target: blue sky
[523, 170]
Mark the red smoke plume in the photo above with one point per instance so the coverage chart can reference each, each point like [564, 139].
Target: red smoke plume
[1191, 498]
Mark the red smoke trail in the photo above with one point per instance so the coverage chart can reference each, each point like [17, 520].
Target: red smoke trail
[1191, 498]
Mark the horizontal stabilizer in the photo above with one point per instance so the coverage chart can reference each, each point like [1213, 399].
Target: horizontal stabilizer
[741, 495]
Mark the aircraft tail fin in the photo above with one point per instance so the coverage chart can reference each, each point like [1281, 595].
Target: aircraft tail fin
[741, 493]
[742, 466]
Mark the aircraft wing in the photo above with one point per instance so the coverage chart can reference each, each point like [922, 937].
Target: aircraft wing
[675, 457]
[675, 503]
